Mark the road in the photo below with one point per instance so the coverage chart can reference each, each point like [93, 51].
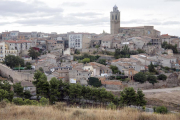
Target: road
[168, 90]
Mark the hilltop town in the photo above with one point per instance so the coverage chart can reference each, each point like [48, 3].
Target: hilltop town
[138, 57]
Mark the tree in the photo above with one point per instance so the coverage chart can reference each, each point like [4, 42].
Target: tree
[140, 100]
[18, 89]
[77, 51]
[41, 83]
[32, 53]
[28, 65]
[151, 68]
[86, 60]
[140, 77]
[27, 94]
[165, 45]
[75, 91]
[152, 79]
[53, 90]
[41, 70]
[128, 96]
[114, 69]
[102, 61]
[140, 51]
[7, 87]
[3, 94]
[13, 61]
[43, 86]
[162, 77]
[94, 82]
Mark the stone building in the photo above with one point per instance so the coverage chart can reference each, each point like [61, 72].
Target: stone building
[130, 31]
[97, 69]
[20, 45]
[4, 51]
[79, 40]
[128, 66]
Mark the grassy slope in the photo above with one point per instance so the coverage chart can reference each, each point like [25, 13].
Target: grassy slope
[13, 112]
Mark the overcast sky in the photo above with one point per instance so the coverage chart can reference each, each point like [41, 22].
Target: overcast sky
[92, 16]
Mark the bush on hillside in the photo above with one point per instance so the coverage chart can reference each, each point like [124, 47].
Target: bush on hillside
[162, 77]
[18, 101]
[44, 101]
[161, 110]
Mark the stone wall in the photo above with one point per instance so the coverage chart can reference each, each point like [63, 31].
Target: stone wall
[90, 50]
[6, 71]
[145, 85]
[173, 80]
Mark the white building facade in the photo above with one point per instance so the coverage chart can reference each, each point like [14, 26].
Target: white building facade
[75, 41]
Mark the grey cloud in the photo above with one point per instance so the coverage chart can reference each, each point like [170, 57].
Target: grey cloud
[74, 4]
[172, 0]
[91, 14]
[12, 8]
[4, 23]
[171, 23]
[59, 20]
[150, 22]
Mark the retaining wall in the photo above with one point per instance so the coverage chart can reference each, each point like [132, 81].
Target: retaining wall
[7, 72]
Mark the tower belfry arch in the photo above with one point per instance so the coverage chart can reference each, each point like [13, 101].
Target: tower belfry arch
[115, 20]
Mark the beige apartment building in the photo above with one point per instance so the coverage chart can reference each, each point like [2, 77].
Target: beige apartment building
[4, 51]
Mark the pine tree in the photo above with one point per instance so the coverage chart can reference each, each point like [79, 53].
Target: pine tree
[140, 100]
[151, 68]
[53, 88]
[128, 96]
[18, 89]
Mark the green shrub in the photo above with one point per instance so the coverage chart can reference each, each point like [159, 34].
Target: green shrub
[162, 77]
[140, 77]
[6, 100]
[93, 81]
[34, 102]
[27, 102]
[112, 106]
[161, 110]
[18, 101]
[44, 101]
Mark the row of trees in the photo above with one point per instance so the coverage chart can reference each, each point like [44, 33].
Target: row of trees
[141, 77]
[6, 92]
[56, 90]
[85, 58]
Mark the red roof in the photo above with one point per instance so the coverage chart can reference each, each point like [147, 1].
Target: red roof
[18, 41]
[165, 35]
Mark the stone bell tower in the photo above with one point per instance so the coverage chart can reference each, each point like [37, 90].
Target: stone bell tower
[115, 20]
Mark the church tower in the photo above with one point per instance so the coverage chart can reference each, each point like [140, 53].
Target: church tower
[115, 20]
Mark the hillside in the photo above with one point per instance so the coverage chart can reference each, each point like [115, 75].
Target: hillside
[56, 112]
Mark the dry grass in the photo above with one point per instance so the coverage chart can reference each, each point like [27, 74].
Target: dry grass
[172, 97]
[59, 112]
